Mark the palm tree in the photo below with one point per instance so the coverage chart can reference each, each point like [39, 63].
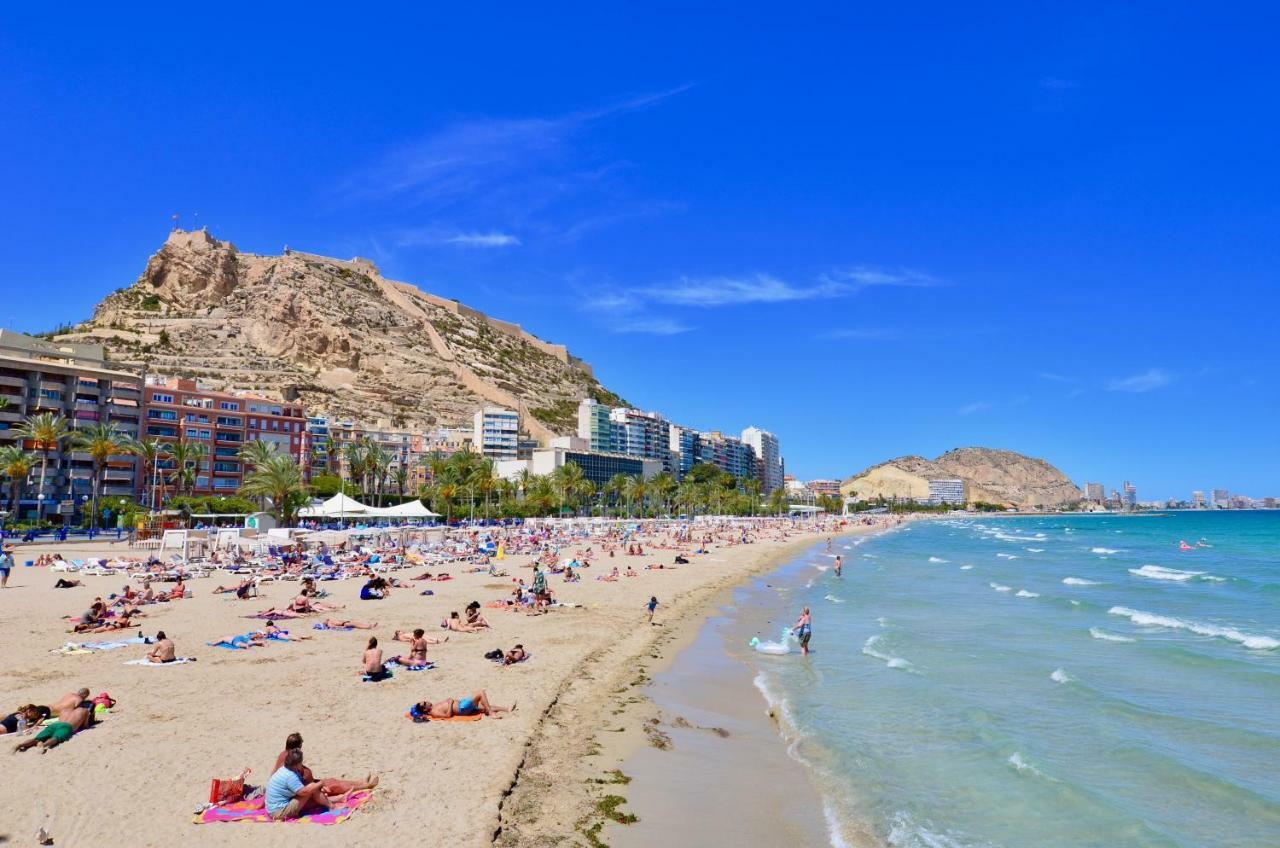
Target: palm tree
[150, 451]
[616, 487]
[445, 492]
[378, 466]
[15, 464]
[752, 486]
[663, 486]
[353, 462]
[541, 494]
[280, 479]
[101, 442]
[636, 490]
[401, 478]
[566, 479]
[778, 500]
[45, 430]
[256, 452]
[481, 481]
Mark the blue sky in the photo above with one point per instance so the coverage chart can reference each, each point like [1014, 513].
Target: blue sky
[874, 232]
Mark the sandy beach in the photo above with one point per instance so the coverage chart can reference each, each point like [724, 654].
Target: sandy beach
[139, 776]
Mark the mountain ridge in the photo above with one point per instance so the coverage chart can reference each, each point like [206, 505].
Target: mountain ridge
[335, 333]
[991, 475]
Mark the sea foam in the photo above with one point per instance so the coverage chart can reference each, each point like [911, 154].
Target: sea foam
[1156, 572]
[1149, 619]
[1099, 633]
[1000, 588]
[869, 648]
[1060, 676]
[936, 559]
[1103, 551]
[1079, 581]
[1023, 593]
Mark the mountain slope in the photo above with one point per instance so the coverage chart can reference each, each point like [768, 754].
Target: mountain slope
[990, 475]
[336, 333]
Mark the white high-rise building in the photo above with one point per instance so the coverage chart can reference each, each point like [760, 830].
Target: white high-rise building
[496, 433]
[768, 457]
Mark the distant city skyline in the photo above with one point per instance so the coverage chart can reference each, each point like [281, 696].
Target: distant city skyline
[844, 231]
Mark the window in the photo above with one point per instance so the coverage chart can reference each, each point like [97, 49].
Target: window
[161, 415]
[156, 430]
[253, 423]
[230, 405]
[226, 466]
[226, 483]
[197, 419]
[228, 437]
[159, 398]
[232, 452]
[228, 421]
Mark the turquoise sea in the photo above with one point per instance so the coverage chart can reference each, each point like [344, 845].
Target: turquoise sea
[1053, 681]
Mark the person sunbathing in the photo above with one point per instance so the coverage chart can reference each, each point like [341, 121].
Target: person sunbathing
[346, 623]
[69, 701]
[303, 604]
[64, 583]
[418, 643]
[243, 642]
[372, 665]
[611, 577]
[164, 651]
[631, 572]
[515, 655]
[69, 723]
[273, 632]
[178, 591]
[288, 796]
[474, 618]
[332, 786]
[121, 622]
[32, 713]
[455, 624]
[477, 704]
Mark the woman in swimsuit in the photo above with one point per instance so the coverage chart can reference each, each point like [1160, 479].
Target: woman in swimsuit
[803, 630]
[372, 662]
[477, 704]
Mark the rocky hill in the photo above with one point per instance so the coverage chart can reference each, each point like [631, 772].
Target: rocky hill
[990, 475]
[335, 333]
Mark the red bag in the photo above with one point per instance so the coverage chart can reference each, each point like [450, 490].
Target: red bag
[227, 791]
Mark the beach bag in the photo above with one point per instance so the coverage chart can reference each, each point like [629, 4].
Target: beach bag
[227, 791]
[495, 654]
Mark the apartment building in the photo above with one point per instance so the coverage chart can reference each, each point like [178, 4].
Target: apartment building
[496, 432]
[80, 384]
[768, 458]
[181, 410]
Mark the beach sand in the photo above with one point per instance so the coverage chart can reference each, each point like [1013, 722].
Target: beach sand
[519, 780]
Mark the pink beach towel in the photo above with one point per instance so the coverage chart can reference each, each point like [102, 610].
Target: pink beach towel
[254, 810]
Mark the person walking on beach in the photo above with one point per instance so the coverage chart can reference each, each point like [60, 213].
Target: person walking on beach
[6, 565]
[651, 606]
[803, 630]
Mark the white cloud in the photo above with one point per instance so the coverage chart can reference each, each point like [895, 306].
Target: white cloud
[976, 406]
[653, 326]
[483, 240]
[723, 291]
[859, 277]
[1146, 381]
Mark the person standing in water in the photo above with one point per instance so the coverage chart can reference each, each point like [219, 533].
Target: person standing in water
[803, 630]
[839, 565]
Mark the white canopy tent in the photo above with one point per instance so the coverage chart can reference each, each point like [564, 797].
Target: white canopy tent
[341, 506]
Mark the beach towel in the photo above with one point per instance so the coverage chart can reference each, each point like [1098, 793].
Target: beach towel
[475, 717]
[254, 810]
[147, 662]
[368, 678]
[322, 626]
[395, 661]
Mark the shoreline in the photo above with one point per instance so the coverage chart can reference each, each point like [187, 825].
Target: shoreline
[603, 714]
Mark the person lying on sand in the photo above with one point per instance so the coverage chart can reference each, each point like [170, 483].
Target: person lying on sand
[515, 655]
[163, 652]
[244, 590]
[331, 786]
[32, 713]
[477, 704]
[69, 723]
[107, 625]
[64, 583]
[303, 604]
[273, 632]
[455, 624]
[418, 642]
[242, 642]
[343, 623]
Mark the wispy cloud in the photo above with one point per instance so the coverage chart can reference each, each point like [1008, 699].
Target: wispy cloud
[767, 288]
[531, 174]
[976, 406]
[653, 326]
[1146, 381]
[432, 236]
